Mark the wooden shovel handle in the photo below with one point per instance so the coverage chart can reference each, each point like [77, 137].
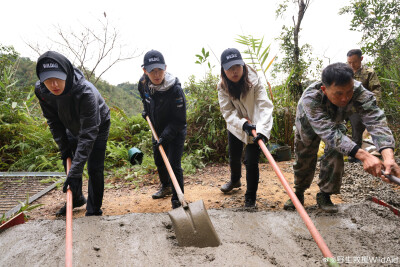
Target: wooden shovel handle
[168, 165]
[68, 237]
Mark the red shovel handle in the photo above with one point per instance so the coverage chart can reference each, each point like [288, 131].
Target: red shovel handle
[68, 237]
[310, 225]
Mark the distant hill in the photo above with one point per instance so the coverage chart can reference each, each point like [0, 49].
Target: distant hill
[124, 96]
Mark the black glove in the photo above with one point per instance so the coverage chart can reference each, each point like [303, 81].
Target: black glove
[247, 127]
[74, 185]
[144, 114]
[260, 137]
[160, 142]
[66, 154]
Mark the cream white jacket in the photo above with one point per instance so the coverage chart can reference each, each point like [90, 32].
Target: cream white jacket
[255, 105]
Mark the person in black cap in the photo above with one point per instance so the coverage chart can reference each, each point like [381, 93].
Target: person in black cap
[243, 97]
[79, 121]
[165, 104]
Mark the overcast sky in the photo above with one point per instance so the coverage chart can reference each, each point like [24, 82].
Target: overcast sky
[178, 29]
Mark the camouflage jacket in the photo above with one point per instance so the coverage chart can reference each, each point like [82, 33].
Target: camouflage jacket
[369, 80]
[317, 116]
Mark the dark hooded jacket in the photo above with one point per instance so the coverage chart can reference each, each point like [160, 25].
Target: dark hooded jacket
[166, 109]
[80, 109]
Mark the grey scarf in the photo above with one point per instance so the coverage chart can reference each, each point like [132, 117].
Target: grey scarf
[168, 82]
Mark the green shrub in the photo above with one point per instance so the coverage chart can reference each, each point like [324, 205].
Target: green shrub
[391, 99]
[207, 136]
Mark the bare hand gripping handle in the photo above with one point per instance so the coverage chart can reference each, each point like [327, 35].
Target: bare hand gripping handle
[392, 178]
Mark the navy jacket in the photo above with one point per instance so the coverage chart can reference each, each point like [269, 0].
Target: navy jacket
[166, 109]
[80, 109]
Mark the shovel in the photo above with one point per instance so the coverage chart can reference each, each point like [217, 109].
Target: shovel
[191, 223]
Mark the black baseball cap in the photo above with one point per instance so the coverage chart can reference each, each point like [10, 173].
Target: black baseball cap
[230, 57]
[152, 60]
[49, 68]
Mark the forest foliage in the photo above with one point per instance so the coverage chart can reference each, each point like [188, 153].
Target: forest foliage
[26, 143]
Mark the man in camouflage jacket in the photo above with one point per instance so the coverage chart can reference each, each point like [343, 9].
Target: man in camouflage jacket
[370, 81]
[321, 114]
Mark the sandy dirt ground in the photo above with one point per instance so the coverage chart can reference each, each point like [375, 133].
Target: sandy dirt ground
[205, 184]
[136, 230]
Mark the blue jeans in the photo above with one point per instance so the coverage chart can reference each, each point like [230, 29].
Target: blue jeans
[251, 160]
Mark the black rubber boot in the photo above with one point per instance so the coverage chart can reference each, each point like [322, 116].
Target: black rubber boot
[324, 202]
[96, 213]
[230, 185]
[75, 204]
[250, 203]
[175, 204]
[289, 204]
[163, 192]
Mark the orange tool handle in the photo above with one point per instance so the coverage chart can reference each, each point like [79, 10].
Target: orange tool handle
[68, 237]
[168, 165]
[310, 225]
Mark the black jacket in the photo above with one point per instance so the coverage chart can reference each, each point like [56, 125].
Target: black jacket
[80, 109]
[166, 109]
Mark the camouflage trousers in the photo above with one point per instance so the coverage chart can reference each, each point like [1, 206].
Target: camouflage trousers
[331, 165]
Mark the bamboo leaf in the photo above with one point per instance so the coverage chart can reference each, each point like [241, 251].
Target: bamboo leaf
[266, 51]
[270, 63]
[260, 46]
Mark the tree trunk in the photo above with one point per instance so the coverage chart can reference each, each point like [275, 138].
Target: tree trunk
[298, 88]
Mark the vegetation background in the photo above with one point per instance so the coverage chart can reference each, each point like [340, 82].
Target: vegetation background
[26, 143]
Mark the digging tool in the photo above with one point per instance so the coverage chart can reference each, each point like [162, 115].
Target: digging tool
[303, 214]
[68, 237]
[191, 223]
[382, 203]
[392, 178]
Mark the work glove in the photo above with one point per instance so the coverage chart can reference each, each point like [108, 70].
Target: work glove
[144, 114]
[74, 185]
[66, 154]
[247, 127]
[160, 141]
[260, 137]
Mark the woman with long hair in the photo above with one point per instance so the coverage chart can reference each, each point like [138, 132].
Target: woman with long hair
[245, 107]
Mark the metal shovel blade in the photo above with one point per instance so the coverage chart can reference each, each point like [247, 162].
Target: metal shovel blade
[193, 227]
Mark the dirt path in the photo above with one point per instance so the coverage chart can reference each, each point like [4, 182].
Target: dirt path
[203, 185]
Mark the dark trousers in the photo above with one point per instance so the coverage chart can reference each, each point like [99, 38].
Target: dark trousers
[95, 166]
[174, 151]
[251, 160]
[357, 128]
